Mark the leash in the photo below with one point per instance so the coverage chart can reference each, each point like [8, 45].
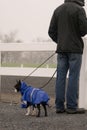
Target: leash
[39, 67]
[49, 80]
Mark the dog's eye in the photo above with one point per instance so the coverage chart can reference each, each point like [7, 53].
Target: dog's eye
[15, 90]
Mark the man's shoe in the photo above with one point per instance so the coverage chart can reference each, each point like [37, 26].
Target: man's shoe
[60, 110]
[75, 111]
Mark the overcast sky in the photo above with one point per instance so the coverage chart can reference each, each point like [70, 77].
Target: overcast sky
[30, 18]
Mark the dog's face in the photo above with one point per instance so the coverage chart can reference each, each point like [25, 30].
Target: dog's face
[17, 86]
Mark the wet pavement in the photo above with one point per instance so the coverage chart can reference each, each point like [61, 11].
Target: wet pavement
[12, 117]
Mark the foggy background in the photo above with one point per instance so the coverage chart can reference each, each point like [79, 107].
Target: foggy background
[29, 19]
[26, 21]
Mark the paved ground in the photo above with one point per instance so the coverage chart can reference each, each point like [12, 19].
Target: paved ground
[12, 118]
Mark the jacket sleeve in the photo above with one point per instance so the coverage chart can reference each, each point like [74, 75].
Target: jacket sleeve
[53, 28]
[82, 22]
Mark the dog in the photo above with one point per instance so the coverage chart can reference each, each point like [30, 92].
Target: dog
[32, 97]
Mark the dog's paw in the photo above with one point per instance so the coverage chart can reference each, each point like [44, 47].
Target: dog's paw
[27, 114]
[34, 112]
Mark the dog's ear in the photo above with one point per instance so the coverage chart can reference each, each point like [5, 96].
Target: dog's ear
[19, 81]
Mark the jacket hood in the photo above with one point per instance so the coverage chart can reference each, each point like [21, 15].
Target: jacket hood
[23, 87]
[80, 2]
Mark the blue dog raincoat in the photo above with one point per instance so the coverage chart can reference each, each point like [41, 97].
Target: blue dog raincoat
[33, 95]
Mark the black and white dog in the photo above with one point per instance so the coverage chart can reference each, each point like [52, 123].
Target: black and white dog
[32, 97]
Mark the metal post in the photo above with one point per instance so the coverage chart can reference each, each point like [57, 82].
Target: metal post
[83, 79]
[0, 76]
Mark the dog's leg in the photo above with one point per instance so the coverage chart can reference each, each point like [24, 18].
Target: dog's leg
[28, 111]
[38, 107]
[45, 109]
[33, 110]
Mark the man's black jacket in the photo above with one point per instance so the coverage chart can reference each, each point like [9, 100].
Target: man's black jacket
[68, 25]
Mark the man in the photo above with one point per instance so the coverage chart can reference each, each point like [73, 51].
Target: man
[67, 26]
